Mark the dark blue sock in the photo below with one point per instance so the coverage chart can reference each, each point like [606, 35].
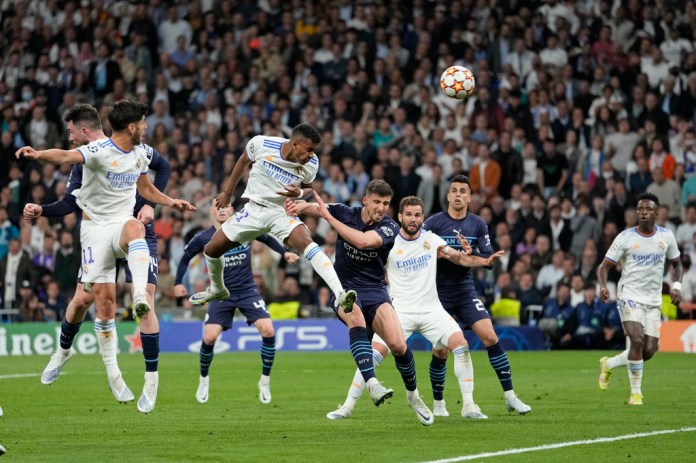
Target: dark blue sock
[68, 331]
[267, 355]
[407, 367]
[150, 350]
[501, 365]
[362, 352]
[438, 371]
[206, 357]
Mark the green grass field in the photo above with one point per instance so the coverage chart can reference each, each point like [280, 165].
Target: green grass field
[77, 419]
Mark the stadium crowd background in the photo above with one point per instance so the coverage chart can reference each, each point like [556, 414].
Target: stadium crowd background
[580, 106]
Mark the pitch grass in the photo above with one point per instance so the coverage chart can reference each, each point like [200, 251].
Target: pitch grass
[77, 419]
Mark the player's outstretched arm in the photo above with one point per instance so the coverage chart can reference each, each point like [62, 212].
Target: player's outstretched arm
[465, 260]
[296, 208]
[148, 191]
[361, 240]
[52, 156]
[240, 167]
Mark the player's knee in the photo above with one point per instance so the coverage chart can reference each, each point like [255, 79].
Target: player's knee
[649, 352]
[134, 229]
[441, 353]
[209, 339]
[637, 344]
[210, 251]
[489, 339]
[398, 349]
[266, 330]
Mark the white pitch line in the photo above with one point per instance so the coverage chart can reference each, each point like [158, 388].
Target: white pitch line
[19, 375]
[561, 445]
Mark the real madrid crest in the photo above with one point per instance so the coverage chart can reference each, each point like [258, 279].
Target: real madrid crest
[426, 245]
[137, 164]
[298, 170]
[661, 245]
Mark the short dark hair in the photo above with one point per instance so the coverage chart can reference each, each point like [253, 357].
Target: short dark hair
[461, 179]
[410, 201]
[307, 131]
[380, 188]
[84, 114]
[649, 197]
[126, 112]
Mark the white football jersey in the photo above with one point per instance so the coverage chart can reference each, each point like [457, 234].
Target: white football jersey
[412, 271]
[643, 261]
[109, 177]
[270, 172]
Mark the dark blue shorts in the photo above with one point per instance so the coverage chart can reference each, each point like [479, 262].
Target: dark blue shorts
[369, 300]
[221, 313]
[153, 268]
[466, 307]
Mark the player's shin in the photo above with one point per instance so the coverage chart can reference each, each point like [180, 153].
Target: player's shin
[361, 350]
[464, 371]
[68, 331]
[108, 345]
[406, 365]
[323, 266]
[438, 372]
[138, 262]
[215, 269]
[357, 386]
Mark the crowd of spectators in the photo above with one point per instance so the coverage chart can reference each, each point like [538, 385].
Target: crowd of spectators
[580, 106]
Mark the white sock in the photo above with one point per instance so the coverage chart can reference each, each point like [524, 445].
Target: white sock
[61, 351]
[138, 262]
[151, 377]
[323, 266]
[509, 395]
[215, 269]
[108, 345]
[620, 360]
[635, 375]
[464, 371]
[265, 379]
[412, 395]
[357, 387]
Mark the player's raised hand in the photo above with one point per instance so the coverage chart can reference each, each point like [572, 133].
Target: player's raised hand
[466, 247]
[604, 294]
[676, 296]
[291, 257]
[28, 152]
[32, 211]
[182, 205]
[145, 215]
[323, 210]
[291, 191]
[222, 200]
[493, 257]
[292, 207]
[180, 291]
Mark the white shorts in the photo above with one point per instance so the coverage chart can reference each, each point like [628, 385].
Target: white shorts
[650, 316]
[254, 220]
[100, 249]
[436, 326]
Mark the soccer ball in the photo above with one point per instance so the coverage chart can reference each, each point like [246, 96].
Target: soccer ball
[457, 82]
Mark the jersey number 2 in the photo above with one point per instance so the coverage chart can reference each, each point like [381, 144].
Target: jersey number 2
[480, 306]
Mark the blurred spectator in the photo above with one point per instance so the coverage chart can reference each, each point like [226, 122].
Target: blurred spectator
[67, 262]
[7, 232]
[668, 192]
[583, 326]
[16, 270]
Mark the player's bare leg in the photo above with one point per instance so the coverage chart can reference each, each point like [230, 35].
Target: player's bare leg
[211, 333]
[149, 337]
[363, 355]
[132, 241]
[213, 251]
[74, 315]
[105, 329]
[464, 371]
[635, 332]
[499, 362]
[301, 239]
[386, 325]
[265, 327]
